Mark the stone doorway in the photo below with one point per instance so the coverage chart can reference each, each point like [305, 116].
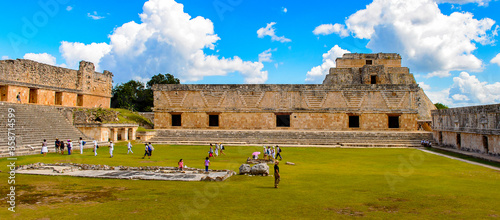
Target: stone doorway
[393, 121]
[282, 120]
[485, 144]
[33, 97]
[440, 137]
[176, 120]
[353, 121]
[58, 98]
[79, 100]
[4, 93]
[459, 141]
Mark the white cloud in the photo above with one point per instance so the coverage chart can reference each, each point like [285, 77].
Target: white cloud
[69, 8]
[95, 16]
[428, 40]
[424, 86]
[166, 40]
[442, 96]
[266, 55]
[468, 90]
[269, 31]
[73, 53]
[326, 29]
[5, 57]
[317, 74]
[440, 74]
[496, 59]
[41, 57]
[285, 10]
[461, 2]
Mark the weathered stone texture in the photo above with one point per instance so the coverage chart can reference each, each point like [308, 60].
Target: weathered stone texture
[51, 85]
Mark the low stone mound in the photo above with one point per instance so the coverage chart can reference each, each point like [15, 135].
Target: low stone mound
[125, 172]
[257, 161]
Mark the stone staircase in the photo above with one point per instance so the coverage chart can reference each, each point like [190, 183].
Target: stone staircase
[33, 123]
[286, 137]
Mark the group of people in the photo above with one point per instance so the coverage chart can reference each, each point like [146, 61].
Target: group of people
[272, 152]
[60, 146]
[426, 143]
[214, 151]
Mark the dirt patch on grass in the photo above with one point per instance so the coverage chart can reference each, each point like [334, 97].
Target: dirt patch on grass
[346, 211]
[372, 207]
[391, 199]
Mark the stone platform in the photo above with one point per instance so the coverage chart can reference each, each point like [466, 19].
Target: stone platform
[122, 172]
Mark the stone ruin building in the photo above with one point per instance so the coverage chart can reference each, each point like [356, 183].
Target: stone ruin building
[365, 92]
[44, 84]
[474, 128]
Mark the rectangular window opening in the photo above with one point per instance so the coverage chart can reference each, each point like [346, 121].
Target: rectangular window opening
[354, 121]
[369, 62]
[213, 120]
[485, 144]
[4, 93]
[282, 120]
[176, 120]
[373, 80]
[79, 100]
[393, 121]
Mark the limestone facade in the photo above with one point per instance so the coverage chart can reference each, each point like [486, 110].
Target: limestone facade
[357, 95]
[475, 128]
[109, 132]
[43, 84]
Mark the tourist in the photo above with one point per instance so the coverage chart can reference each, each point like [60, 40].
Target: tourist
[265, 152]
[129, 147]
[207, 163]
[57, 145]
[211, 151]
[216, 150]
[95, 147]
[62, 147]
[18, 97]
[44, 147]
[151, 149]
[181, 164]
[147, 151]
[111, 148]
[81, 143]
[222, 148]
[277, 176]
[273, 153]
[278, 153]
[70, 146]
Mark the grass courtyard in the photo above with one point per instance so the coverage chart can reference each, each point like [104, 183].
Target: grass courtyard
[325, 183]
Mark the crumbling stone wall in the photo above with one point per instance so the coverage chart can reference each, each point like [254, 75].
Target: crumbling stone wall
[50, 85]
[475, 128]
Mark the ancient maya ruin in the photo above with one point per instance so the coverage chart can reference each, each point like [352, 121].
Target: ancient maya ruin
[368, 100]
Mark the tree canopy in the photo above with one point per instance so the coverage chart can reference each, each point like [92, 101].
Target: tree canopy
[440, 106]
[135, 96]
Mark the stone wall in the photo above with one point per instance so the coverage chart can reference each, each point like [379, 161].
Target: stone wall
[50, 85]
[475, 128]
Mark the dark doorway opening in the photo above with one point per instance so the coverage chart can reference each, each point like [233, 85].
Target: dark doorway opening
[58, 97]
[373, 80]
[393, 121]
[459, 141]
[485, 144]
[213, 120]
[440, 137]
[4, 93]
[354, 121]
[369, 62]
[33, 98]
[176, 120]
[282, 120]
[79, 100]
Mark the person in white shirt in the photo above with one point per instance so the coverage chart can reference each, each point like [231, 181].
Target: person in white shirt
[80, 142]
[95, 148]
[129, 146]
[111, 148]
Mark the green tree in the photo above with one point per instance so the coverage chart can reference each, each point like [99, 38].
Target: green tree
[133, 95]
[440, 106]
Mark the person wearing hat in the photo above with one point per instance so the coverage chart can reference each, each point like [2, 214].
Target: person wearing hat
[277, 176]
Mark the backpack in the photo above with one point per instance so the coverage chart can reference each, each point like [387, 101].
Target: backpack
[83, 142]
[279, 151]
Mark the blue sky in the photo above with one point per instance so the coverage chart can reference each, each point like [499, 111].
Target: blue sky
[451, 46]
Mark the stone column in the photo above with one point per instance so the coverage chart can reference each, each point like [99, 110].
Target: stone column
[132, 135]
[125, 134]
[114, 134]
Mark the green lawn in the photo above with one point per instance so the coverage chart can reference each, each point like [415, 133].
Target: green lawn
[325, 183]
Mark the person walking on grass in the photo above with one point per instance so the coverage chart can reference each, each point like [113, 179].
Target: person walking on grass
[95, 147]
[62, 147]
[57, 145]
[147, 151]
[81, 143]
[44, 147]
[70, 146]
[222, 148]
[181, 164]
[207, 163]
[277, 176]
[211, 151]
[129, 147]
[111, 148]
[151, 149]
[278, 153]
